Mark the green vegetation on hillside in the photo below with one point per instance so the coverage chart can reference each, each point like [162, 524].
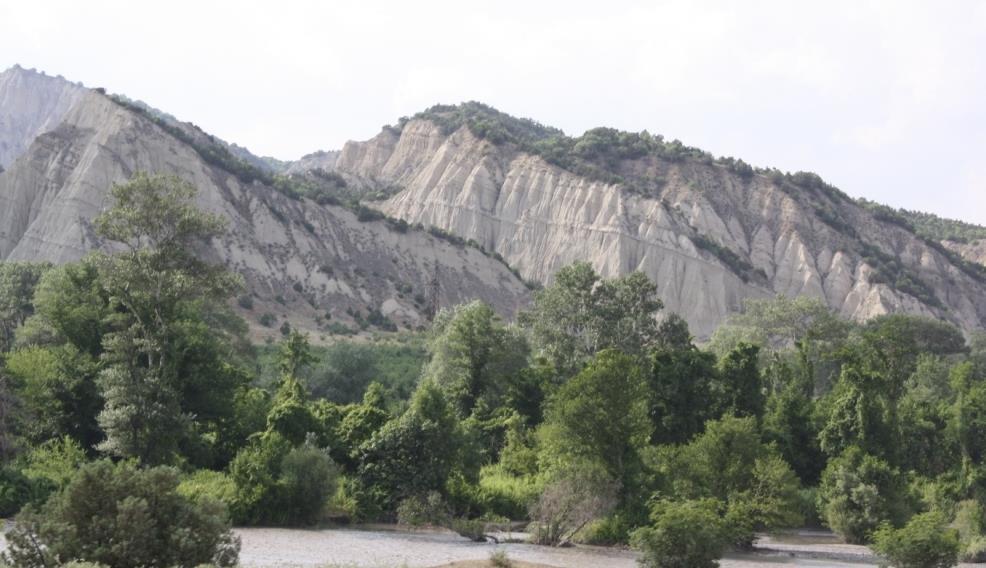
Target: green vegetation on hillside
[595, 155]
[941, 229]
[598, 153]
[932, 230]
[128, 395]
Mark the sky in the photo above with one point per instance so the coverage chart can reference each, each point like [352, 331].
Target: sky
[885, 100]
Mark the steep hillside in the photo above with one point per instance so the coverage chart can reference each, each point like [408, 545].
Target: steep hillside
[30, 103]
[965, 239]
[708, 232]
[316, 266]
[973, 251]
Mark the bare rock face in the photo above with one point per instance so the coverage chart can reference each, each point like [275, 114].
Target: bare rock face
[974, 251]
[30, 103]
[316, 160]
[303, 262]
[779, 238]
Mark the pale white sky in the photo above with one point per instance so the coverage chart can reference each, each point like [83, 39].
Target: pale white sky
[886, 100]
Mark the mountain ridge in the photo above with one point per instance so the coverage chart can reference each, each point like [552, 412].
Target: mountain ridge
[471, 184]
[709, 231]
[317, 267]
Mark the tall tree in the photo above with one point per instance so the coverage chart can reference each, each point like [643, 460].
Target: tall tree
[599, 417]
[579, 315]
[682, 384]
[156, 226]
[17, 283]
[741, 384]
[474, 356]
[858, 415]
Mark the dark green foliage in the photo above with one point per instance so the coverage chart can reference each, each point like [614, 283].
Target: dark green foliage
[858, 415]
[345, 369]
[682, 383]
[57, 388]
[924, 542]
[684, 534]
[474, 356]
[735, 262]
[118, 515]
[18, 281]
[376, 318]
[729, 460]
[815, 184]
[280, 484]
[888, 269]
[358, 424]
[899, 339]
[485, 122]
[969, 413]
[597, 154]
[599, 417]
[411, 455]
[934, 227]
[308, 479]
[858, 492]
[17, 490]
[741, 386]
[789, 423]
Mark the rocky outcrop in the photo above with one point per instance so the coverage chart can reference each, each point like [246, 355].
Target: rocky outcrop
[30, 103]
[308, 264]
[707, 236]
[974, 251]
[314, 161]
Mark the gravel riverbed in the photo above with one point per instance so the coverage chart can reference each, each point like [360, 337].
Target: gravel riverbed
[378, 548]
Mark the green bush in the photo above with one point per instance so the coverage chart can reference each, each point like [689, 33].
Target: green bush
[609, 531]
[118, 515]
[205, 484]
[276, 483]
[685, 534]
[308, 479]
[970, 522]
[924, 542]
[858, 492]
[506, 495]
[974, 551]
[418, 510]
[16, 490]
[54, 462]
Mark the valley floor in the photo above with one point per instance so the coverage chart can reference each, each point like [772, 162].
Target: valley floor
[355, 548]
[265, 548]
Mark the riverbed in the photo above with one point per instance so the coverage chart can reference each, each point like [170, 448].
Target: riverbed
[270, 548]
[378, 548]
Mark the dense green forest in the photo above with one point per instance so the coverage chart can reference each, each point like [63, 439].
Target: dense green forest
[595, 417]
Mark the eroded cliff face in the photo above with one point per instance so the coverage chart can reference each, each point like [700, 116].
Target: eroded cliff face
[541, 217]
[30, 103]
[303, 262]
[974, 251]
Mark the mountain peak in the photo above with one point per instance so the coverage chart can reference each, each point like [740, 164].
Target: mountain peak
[31, 103]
